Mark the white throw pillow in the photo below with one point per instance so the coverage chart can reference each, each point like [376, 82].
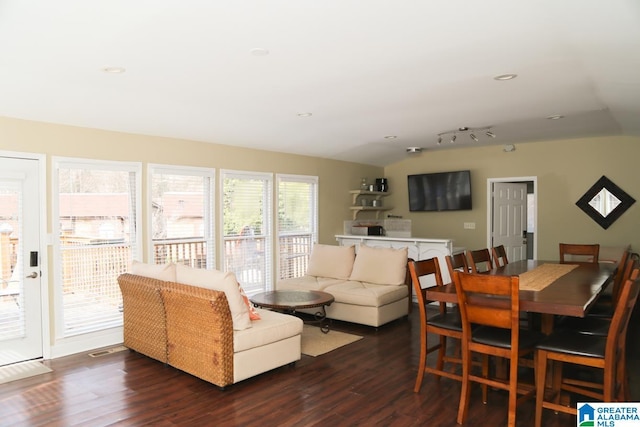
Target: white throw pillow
[218, 281]
[331, 261]
[382, 266]
[166, 272]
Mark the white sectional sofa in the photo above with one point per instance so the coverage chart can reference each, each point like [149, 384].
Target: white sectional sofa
[371, 288]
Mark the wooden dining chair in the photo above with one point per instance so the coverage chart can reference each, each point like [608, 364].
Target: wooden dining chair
[605, 304]
[579, 253]
[456, 262]
[606, 353]
[499, 256]
[598, 324]
[492, 305]
[479, 260]
[444, 324]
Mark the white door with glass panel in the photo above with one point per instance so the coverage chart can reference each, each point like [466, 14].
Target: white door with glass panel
[20, 299]
[510, 218]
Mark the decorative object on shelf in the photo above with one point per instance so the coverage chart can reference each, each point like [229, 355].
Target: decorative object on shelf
[364, 185]
[451, 135]
[605, 202]
[382, 184]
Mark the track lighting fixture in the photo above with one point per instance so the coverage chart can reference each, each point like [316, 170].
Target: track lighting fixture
[474, 132]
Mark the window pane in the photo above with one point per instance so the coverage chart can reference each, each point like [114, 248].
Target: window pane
[182, 225]
[297, 223]
[97, 220]
[12, 314]
[247, 236]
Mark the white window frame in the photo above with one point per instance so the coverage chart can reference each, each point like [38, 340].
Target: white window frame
[267, 221]
[95, 338]
[307, 179]
[209, 231]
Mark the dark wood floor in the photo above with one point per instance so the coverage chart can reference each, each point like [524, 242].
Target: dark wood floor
[369, 382]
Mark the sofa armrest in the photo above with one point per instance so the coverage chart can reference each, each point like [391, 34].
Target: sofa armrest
[144, 324]
[199, 333]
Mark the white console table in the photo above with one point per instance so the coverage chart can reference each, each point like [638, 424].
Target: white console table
[418, 249]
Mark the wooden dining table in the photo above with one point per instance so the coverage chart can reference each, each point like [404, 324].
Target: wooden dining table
[572, 294]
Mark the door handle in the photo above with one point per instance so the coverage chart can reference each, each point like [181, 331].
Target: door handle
[33, 275]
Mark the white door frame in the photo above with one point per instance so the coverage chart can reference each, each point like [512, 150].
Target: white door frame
[44, 242]
[490, 182]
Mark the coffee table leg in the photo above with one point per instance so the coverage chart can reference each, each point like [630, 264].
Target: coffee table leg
[321, 317]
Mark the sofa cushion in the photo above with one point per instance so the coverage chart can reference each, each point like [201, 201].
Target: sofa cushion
[219, 281]
[308, 283]
[366, 294]
[271, 328]
[331, 261]
[382, 266]
[166, 272]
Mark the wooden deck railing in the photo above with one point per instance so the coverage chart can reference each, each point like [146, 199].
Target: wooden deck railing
[91, 265]
[183, 251]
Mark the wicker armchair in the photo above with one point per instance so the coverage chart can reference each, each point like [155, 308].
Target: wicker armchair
[191, 329]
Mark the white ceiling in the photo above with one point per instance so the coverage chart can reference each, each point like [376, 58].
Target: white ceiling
[365, 69]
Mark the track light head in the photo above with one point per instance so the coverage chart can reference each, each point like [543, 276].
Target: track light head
[474, 133]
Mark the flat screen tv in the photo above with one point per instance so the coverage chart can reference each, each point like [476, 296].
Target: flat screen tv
[442, 191]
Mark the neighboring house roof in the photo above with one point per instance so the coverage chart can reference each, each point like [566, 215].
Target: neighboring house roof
[94, 205]
[181, 205]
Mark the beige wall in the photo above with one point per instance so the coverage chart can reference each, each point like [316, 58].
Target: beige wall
[335, 178]
[565, 169]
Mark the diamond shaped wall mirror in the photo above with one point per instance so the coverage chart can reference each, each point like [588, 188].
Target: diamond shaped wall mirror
[605, 202]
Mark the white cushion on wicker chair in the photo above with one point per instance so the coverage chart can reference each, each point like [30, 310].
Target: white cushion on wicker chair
[219, 281]
[272, 327]
[166, 272]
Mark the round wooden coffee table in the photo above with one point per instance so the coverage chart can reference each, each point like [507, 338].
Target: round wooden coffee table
[290, 301]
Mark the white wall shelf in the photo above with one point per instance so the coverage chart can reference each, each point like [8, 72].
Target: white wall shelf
[368, 195]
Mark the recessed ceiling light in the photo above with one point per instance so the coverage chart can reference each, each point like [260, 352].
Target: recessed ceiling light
[305, 114]
[505, 77]
[414, 150]
[258, 51]
[114, 70]
[555, 117]
[390, 136]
